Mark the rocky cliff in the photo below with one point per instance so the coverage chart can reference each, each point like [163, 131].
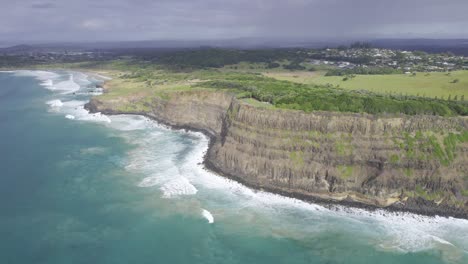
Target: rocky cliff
[415, 163]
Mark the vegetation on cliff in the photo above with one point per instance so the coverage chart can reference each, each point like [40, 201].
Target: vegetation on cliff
[281, 93]
[373, 145]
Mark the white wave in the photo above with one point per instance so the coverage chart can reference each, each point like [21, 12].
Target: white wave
[76, 108]
[40, 75]
[51, 80]
[150, 181]
[67, 87]
[47, 83]
[402, 232]
[55, 103]
[81, 79]
[412, 233]
[167, 171]
[71, 117]
[193, 168]
[95, 117]
[208, 216]
[46, 78]
[178, 187]
[131, 122]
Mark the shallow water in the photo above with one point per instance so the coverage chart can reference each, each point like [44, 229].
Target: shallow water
[89, 188]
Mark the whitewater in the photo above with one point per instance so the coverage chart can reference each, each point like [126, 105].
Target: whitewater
[167, 165]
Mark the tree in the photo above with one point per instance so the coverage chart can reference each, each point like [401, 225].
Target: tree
[272, 65]
[361, 45]
[419, 53]
[342, 47]
[399, 56]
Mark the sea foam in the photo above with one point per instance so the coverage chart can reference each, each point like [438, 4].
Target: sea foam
[206, 214]
[178, 187]
[76, 108]
[176, 169]
[159, 148]
[54, 81]
[46, 78]
[68, 86]
[405, 232]
[67, 83]
[56, 103]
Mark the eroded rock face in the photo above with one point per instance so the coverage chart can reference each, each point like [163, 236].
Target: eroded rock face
[382, 161]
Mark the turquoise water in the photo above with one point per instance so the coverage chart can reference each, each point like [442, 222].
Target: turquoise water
[81, 188]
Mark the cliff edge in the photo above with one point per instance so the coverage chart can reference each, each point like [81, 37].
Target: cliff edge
[403, 163]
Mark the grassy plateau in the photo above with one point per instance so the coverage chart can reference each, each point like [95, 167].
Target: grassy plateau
[434, 84]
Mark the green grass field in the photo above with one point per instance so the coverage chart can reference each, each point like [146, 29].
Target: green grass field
[258, 104]
[136, 82]
[423, 84]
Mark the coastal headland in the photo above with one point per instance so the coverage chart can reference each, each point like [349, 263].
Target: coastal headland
[400, 163]
[309, 124]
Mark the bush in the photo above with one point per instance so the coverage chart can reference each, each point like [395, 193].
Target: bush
[284, 94]
[273, 65]
[363, 70]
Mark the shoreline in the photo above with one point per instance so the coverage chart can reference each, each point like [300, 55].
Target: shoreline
[419, 206]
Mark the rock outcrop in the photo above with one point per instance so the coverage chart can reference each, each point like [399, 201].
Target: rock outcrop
[415, 163]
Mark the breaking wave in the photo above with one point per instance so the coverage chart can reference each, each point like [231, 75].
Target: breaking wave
[177, 187]
[46, 78]
[64, 83]
[163, 156]
[56, 103]
[208, 216]
[67, 86]
[171, 162]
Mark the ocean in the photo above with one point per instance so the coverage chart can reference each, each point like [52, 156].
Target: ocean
[88, 188]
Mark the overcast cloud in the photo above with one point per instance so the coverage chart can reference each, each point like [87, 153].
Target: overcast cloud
[94, 20]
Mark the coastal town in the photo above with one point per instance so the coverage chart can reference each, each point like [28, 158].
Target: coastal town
[403, 60]
[358, 58]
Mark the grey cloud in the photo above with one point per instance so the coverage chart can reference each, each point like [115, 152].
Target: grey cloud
[42, 5]
[71, 20]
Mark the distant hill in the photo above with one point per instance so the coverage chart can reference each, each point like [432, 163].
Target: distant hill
[457, 46]
[17, 48]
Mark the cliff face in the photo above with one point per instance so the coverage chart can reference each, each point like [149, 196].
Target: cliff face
[417, 163]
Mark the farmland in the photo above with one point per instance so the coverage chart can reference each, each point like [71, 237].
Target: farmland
[434, 84]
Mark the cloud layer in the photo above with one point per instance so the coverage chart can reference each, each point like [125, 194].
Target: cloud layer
[91, 20]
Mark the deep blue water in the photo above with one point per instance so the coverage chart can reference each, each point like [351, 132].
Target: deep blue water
[80, 188]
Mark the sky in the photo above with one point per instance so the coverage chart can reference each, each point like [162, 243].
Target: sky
[129, 20]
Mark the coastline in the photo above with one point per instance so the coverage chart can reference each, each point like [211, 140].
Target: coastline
[413, 205]
[417, 206]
